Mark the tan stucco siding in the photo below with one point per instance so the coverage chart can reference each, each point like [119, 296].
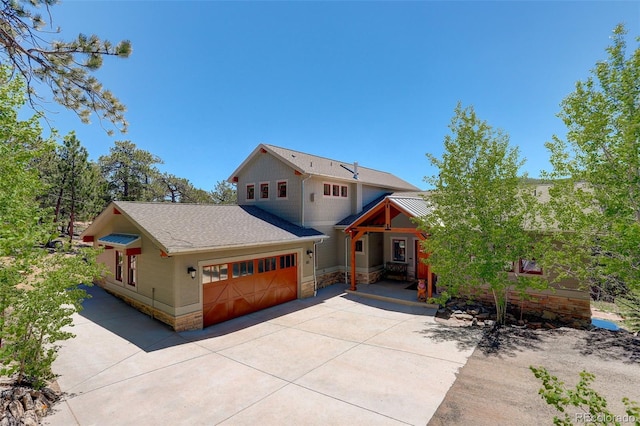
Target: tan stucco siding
[321, 210]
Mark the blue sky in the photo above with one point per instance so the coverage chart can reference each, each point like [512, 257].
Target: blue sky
[374, 82]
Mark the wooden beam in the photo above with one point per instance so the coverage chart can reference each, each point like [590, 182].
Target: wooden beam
[133, 251]
[88, 239]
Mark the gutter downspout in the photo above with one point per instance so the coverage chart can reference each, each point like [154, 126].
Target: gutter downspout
[315, 265]
[302, 207]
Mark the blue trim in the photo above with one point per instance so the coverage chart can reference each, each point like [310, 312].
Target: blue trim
[119, 239]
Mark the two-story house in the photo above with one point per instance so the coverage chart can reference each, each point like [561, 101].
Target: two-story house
[191, 266]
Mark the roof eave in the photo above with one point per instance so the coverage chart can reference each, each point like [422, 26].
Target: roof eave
[186, 250]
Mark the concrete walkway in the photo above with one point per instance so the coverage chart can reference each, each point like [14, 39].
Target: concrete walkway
[333, 359]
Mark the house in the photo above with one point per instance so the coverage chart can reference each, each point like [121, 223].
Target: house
[302, 222]
[191, 266]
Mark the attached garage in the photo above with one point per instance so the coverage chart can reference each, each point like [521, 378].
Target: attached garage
[198, 265]
[230, 290]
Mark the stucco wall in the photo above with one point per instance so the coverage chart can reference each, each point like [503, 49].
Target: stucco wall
[265, 168]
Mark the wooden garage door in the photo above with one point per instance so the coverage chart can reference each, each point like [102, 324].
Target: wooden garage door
[239, 288]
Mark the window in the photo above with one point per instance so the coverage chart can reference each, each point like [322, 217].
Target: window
[267, 264]
[287, 261]
[264, 191]
[213, 273]
[119, 265]
[398, 250]
[282, 189]
[335, 190]
[359, 247]
[251, 192]
[241, 269]
[529, 266]
[132, 267]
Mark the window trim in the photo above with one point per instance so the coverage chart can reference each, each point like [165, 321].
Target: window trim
[361, 251]
[119, 265]
[521, 267]
[246, 193]
[344, 191]
[267, 185]
[334, 190]
[132, 269]
[393, 259]
[286, 189]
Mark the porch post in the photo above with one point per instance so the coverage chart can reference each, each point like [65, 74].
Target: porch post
[353, 262]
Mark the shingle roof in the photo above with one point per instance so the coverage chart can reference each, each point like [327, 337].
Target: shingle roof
[334, 169]
[180, 228]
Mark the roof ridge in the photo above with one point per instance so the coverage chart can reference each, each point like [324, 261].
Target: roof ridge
[328, 158]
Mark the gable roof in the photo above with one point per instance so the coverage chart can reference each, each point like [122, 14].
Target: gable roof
[413, 204]
[183, 228]
[314, 165]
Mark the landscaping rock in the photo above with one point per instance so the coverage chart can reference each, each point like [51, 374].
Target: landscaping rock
[21, 405]
[548, 315]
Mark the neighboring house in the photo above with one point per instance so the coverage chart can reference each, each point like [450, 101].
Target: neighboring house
[302, 222]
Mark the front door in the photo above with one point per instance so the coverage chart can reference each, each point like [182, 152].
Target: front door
[422, 269]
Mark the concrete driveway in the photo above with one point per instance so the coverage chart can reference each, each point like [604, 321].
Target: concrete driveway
[332, 359]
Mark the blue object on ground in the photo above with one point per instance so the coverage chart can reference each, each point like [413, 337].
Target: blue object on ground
[607, 325]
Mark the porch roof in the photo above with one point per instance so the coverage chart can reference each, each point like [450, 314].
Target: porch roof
[412, 204]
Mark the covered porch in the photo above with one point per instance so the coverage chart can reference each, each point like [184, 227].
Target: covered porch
[392, 220]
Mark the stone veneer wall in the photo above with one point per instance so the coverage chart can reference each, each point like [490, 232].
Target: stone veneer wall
[306, 289]
[191, 321]
[570, 310]
[339, 277]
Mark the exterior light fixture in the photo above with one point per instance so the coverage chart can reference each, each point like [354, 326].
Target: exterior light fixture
[310, 253]
[191, 271]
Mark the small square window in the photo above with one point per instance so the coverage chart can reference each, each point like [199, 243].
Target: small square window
[327, 189]
[251, 192]
[336, 190]
[359, 247]
[343, 191]
[282, 189]
[264, 191]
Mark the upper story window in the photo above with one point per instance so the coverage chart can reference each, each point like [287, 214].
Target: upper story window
[264, 191]
[335, 190]
[282, 189]
[251, 191]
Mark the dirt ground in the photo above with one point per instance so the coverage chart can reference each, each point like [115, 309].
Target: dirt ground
[496, 387]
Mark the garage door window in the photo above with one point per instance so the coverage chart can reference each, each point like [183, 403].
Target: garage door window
[242, 269]
[266, 264]
[287, 261]
[213, 273]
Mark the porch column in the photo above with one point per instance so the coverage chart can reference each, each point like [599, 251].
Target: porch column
[355, 236]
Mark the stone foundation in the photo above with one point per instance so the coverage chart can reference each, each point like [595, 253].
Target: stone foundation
[191, 321]
[306, 289]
